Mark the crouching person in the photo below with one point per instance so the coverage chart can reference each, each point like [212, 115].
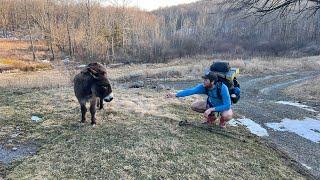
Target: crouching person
[218, 104]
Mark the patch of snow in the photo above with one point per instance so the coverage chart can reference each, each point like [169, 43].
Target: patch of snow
[253, 127]
[35, 119]
[233, 122]
[15, 135]
[299, 105]
[82, 66]
[66, 61]
[308, 167]
[307, 128]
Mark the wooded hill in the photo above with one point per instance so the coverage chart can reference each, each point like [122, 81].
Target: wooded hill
[87, 30]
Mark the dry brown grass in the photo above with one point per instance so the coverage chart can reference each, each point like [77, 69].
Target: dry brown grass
[133, 139]
[13, 64]
[7, 45]
[261, 66]
[309, 90]
[193, 68]
[39, 79]
[17, 55]
[179, 69]
[137, 134]
[20, 50]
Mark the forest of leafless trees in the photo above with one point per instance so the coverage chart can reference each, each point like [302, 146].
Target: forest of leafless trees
[87, 30]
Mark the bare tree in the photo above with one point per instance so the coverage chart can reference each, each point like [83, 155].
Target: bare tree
[27, 11]
[280, 7]
[4, 17]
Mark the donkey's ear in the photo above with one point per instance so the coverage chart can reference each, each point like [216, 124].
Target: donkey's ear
[92, 72]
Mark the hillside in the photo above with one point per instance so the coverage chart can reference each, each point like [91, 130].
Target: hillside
[207, 27]
[114, 34]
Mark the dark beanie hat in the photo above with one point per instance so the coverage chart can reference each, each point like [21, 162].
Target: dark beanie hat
[211, 76]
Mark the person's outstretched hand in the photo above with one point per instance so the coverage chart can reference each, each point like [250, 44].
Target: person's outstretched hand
[171, 95]
[208, 112]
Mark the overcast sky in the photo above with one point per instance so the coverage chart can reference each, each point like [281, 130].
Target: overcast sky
[155, 4]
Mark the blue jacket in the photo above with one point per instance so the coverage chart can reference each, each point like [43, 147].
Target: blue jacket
[220, 105]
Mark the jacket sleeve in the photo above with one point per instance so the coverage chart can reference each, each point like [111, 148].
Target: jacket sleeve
[225, 99]
[199, 89]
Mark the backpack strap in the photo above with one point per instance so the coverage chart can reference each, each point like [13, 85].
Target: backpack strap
[207, 93]
[218, 84]
[219, 89]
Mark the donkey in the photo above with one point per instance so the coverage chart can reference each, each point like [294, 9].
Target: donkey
[92, 84]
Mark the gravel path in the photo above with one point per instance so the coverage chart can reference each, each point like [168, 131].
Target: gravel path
[260, 103]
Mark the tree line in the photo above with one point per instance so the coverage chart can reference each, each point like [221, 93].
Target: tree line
[229, 26]
[84, 30]
[88, 30]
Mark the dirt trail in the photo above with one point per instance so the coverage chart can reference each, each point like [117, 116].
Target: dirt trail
[259, 103]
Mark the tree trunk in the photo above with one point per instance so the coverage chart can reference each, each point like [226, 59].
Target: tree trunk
[69, 40]
[29, 30]
[50, 31]
[112, 50]
[107, 52]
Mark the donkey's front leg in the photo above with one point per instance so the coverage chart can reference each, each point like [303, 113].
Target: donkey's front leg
[83, 111]
[93, 104]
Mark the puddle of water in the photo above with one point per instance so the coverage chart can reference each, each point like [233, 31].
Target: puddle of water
[299, 105]
[307, 128]
[8, 155]
[253, 127]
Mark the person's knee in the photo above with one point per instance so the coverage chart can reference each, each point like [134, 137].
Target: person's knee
[227, 115]
[194, 106]
[197, 106]
[197, 109]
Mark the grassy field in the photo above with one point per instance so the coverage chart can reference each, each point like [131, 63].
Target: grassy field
[16, 55]
[191, 68]
[309, 90]
[21, 49]
[137, 137]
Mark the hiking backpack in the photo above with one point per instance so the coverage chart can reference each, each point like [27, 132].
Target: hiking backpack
[227, 76]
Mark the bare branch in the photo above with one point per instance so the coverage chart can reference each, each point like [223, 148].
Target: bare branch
[266, 7]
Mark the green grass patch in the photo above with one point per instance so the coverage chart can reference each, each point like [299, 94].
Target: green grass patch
[126, 144]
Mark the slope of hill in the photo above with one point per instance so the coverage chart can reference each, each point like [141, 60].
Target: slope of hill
[206, 27]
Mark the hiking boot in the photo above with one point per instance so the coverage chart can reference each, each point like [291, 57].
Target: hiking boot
[222, 123]
[210, 120]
